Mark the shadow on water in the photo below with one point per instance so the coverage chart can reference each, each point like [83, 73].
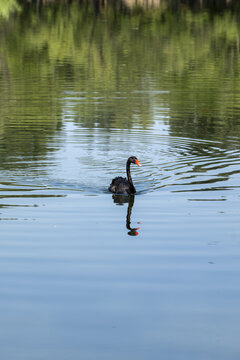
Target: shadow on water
[122, 199]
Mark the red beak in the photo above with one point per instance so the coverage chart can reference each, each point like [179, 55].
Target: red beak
[137, 163]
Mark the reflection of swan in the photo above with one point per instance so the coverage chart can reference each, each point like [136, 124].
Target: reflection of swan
[122, 185]
[120, 200]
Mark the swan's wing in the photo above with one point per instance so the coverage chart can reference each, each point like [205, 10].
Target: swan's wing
[117, 182]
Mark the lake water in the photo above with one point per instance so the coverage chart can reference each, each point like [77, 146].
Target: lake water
[89, 275]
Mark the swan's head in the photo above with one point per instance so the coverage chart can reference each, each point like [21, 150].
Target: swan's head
[134, 160]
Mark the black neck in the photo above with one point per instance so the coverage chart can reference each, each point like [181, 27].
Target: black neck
[129, 212]
[133, 190]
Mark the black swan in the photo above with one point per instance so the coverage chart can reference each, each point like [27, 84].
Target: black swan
[122, 185]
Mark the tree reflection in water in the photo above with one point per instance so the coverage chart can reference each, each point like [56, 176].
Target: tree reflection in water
[122, 199]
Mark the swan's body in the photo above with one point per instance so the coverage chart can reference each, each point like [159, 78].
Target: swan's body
[122, 185]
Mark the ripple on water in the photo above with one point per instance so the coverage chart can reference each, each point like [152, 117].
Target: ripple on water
[86, 160]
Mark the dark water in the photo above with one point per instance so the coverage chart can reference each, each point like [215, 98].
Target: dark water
[84, 274]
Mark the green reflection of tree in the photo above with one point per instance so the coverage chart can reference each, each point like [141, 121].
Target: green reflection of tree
[48, 50]
[7, 7]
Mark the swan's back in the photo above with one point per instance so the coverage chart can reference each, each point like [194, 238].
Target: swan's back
[120, 185]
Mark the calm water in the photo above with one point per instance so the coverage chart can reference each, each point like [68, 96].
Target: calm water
[84, 274]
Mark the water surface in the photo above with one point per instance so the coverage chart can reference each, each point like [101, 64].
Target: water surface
[85, 274]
